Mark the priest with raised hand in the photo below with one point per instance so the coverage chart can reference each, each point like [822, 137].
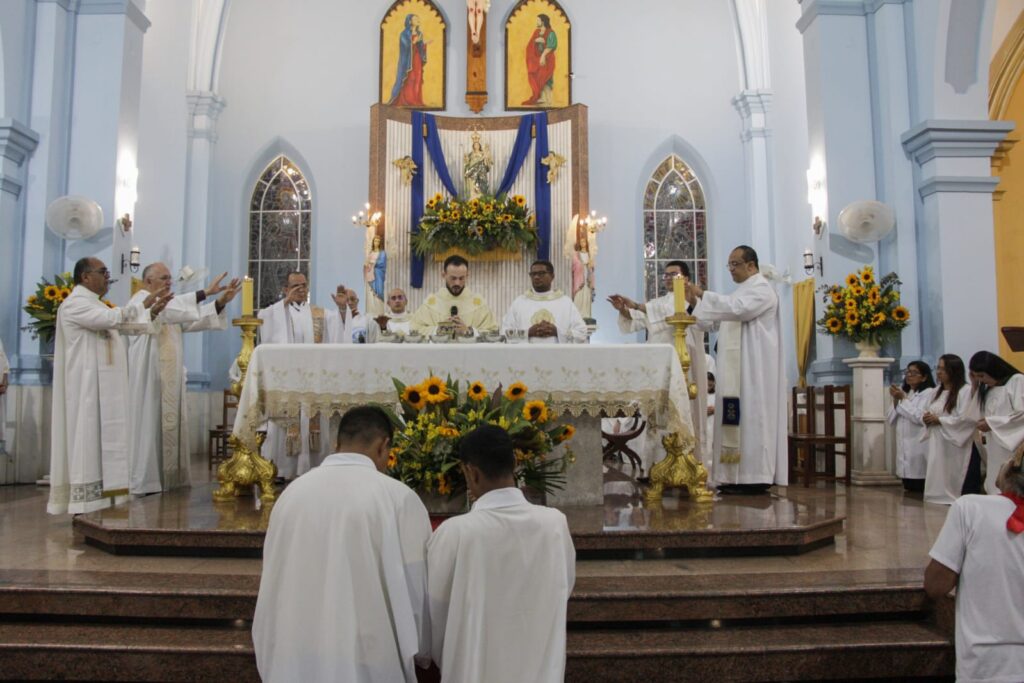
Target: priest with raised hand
[653, 317]
[750, 408]
[547, 315]
[453, 305]
[157, 377]
[89, 462]
[499, 576]
[397, 320]
[293, 320]
[343, 591]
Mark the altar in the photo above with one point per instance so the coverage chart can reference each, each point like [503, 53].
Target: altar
[579, 382]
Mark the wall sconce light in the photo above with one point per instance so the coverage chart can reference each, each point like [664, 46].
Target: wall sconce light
[593, 224]
[367, 219]
[133, 261]
[810, 264]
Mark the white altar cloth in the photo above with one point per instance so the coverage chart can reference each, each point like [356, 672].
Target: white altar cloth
[574, 379]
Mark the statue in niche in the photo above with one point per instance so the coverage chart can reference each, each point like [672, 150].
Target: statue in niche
[374, 269]
[476, 167]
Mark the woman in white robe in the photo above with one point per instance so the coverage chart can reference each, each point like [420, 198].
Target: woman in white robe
[1001, 404]
[909, 403]
[950, 417]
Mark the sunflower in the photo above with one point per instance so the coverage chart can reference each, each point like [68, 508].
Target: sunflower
[516, 391]
[852, 318]
[437, 198]
[878, 319]
[477, 391]
[852, 280]
[837, 296]
[867, 276]
[392, 458]
[857, 291]
[520, 454]
[479, 230]
[536, 411]
[431, 204]
[455, 215]
[51, 292]
[874, 295]
[32, 299]
[568, 431]
[900, 314]
[851, 305]
[443, 487]
[834, 325]
[489, 207]
[519, 199]
[434, 390]
[413, 395]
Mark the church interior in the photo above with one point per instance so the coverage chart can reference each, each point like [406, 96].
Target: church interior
[267, 139]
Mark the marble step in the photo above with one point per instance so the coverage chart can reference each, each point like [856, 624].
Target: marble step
[125, 652]
[892, 650]
[626, 598]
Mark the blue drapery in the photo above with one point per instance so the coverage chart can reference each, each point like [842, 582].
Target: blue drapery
[520, 150]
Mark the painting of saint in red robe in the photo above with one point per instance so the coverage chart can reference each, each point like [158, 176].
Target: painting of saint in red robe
[412, 57]
[540, 63]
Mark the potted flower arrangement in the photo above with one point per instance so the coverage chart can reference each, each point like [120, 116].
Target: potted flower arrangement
[433, 418]
[42, 306]
[476, 226]
[866, 310]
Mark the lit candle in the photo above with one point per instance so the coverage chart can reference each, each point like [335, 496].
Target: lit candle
[246, 296]
[679, 290]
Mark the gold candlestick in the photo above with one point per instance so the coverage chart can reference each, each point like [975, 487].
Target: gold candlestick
[245, 467]
[680, 468]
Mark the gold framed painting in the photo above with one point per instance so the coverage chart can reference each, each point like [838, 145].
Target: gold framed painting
[413, 52]
[538, 56]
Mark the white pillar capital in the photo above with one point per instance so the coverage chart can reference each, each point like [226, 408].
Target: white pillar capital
[204, 107]
[17, 142]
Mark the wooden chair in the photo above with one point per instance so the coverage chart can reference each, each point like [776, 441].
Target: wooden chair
[805, 438]
[219, 450]
[618, 443]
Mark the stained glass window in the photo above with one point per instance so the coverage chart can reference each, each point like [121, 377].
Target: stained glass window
[280, 228]
[675, 224]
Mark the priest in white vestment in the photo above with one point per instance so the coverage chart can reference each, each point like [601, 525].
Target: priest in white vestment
[653, 316]
[293, 320]
[343, 590]
[157, 377]
[397, 321]
[89, 462]
[453, 306]
[499, 576]
[547, 315]
[346, 324]
[750, 452]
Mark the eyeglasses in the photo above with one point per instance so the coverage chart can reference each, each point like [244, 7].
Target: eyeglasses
[735, 264]
[912, 372]
[539, 273]
[102, 271]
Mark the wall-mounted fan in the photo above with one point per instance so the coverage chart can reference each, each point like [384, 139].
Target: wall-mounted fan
[866, 221]
[74, 218]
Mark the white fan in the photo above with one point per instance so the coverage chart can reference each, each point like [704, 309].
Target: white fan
[74, 218]
[866, 221]
[190, 280]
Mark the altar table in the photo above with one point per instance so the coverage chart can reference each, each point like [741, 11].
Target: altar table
[581, 382]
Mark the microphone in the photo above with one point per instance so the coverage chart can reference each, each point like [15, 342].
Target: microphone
[454, 311]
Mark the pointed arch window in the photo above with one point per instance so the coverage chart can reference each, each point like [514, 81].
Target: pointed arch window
[280, 228]
[675, 224]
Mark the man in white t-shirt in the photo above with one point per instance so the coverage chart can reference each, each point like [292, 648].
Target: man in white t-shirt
[980, 552]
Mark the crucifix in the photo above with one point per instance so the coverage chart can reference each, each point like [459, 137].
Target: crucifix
[476, 54]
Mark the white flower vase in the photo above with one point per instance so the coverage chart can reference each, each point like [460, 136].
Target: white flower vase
[868, 349]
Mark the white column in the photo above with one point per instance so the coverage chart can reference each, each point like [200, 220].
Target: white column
[868, 441]
[204, 107]
[103, 153]
[752, 106]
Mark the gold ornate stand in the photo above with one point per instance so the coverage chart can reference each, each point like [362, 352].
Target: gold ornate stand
[245, 467]
[680, 469]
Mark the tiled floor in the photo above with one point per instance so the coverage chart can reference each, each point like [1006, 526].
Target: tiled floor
[885, 530]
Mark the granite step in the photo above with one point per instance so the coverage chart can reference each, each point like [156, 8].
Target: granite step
[894, 650]
[33, 651]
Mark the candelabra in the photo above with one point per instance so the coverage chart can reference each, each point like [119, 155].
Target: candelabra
[366, 218]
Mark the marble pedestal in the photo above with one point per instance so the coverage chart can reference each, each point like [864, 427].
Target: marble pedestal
[868, 423]
[584, 481]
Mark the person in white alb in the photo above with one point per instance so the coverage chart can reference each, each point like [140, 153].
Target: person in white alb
[293, 320]
[750, 452]
[89, 461]
[909, 404]
[346, 324]
[547, 315]
[157, 376]
[499, 576]
[980, 552]
[397, 320]
[343, 591]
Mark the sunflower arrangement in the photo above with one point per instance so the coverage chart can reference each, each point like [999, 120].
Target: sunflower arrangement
[865, 309]
[434, 416]
[42, 306]
[475, 226]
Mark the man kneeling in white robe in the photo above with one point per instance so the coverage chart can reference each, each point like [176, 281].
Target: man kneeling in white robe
[343, 591]
[548, 315]
[499, 576]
